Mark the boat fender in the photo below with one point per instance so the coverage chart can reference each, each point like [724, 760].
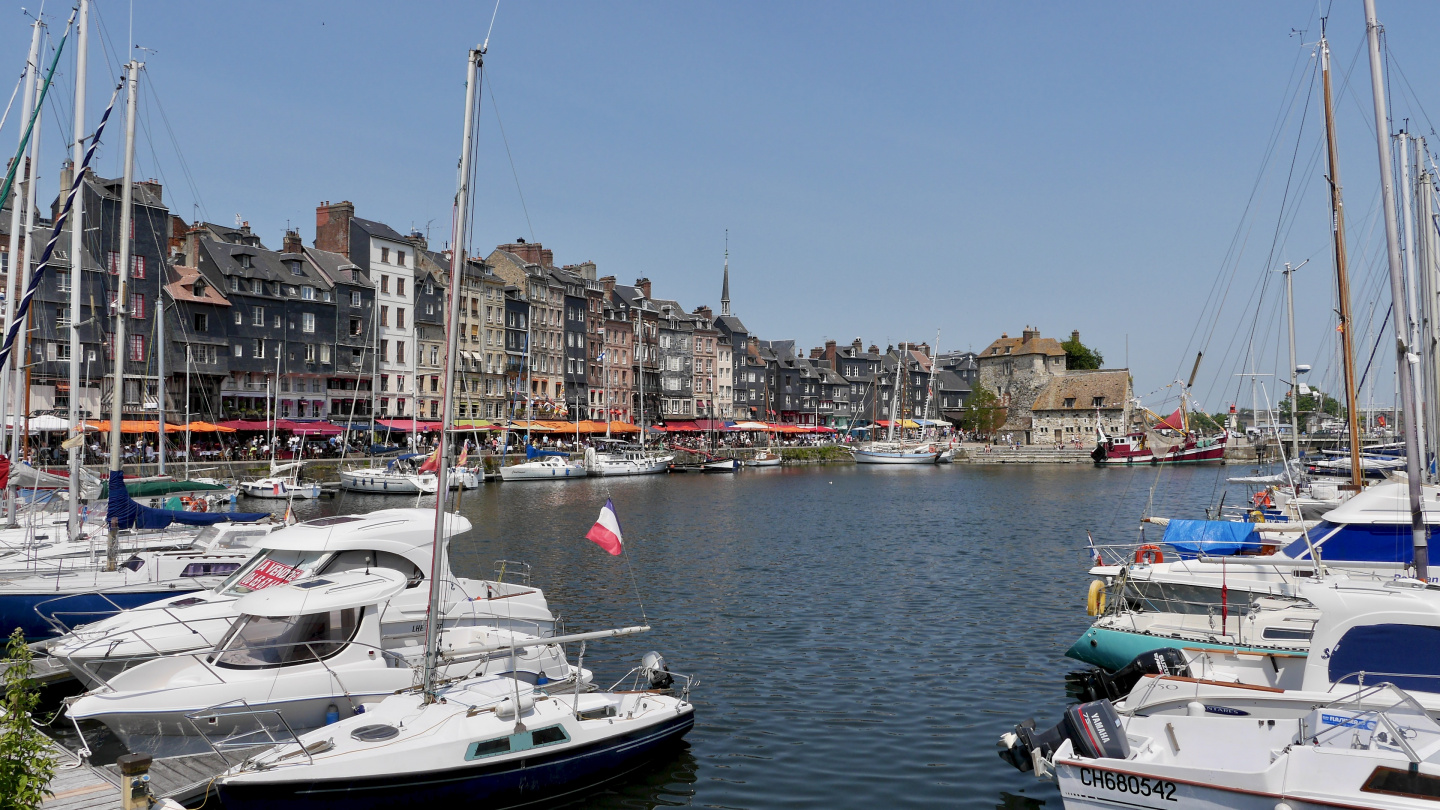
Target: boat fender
[1149, 554]
[505, 710]
[1095, 599]
[332, 714]
[1195, 709]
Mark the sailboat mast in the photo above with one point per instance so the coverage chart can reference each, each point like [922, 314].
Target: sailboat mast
[160, 363]
[117, 391]
[452, 331]
[1294, 383]
[1412, 308]
[1342, 278]
[77, 269]
[19, 387]
[1404, 369]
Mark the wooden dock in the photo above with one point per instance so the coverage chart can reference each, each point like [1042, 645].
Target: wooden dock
[79, 786]
[186, 779]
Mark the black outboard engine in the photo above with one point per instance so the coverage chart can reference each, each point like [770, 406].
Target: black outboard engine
[1097, 684]
[1093, 729]
[653, 669]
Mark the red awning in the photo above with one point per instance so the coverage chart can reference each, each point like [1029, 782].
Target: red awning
[409, 425]
[710, 424]
[245, 424]
[309, 428]
[681, 427]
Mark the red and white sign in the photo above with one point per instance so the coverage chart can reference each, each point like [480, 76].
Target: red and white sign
[267, 573]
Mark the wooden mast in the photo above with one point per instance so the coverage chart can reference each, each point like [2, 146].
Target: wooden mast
[1342, 279]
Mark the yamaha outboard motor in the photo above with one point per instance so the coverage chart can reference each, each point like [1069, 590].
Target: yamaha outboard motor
[1097, 684]
[653, 669]
[1093, 729]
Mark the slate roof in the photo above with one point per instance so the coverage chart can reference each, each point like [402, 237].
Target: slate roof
[337, 268]
[378, 229]
[1083, 387]
[732, 324]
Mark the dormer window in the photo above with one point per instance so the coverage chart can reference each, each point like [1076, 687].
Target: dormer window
[245, 261]
[198, 288]
[1069, 402]
[295, 269]
[1098, 402]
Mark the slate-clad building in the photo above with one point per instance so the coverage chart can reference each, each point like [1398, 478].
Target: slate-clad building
[349, 385]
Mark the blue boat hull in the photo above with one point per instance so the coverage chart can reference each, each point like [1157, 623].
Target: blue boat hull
[29, 611]
[1113, 649]
[532, 781]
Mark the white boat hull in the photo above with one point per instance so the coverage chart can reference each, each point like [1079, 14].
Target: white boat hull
[543, 470]
[885, 457]
[277, 489]
[387, 483]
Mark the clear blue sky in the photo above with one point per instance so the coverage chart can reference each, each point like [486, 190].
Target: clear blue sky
[884, 170]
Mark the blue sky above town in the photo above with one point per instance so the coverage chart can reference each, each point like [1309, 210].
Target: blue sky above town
[883, 170]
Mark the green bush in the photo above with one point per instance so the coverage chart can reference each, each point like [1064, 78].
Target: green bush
[26, 765]
[827, 453]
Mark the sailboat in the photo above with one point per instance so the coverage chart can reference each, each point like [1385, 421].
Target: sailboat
[891, 451]
[539, 465]
[499, 739]
[618, 458]
[283, 482]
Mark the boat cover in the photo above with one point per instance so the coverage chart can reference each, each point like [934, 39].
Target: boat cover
[1214, 538]
[131, 515]
[531, 451]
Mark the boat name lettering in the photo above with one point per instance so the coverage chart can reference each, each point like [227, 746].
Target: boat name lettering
[1128, 783]
[1226, 710]
[1348, 722]
[267, 573]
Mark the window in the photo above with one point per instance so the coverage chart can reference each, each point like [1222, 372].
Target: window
[1097, 402]
[355, 327]
[385, 255]
[355, 299]
[400, 383]
[356, 356]
[234, 284]
[137, 305]
[434, 355]
[259, 642]
[400, 282]
[400, 259]
[307, 293]
[324, 354]
[385, 283]
[245, 261]
[1069, 402]
[137, 267]
[239, 317]
[277, 320]
[384, 351]
[400, 317]
[295, 269]
[257, 348]
[202, 322]
[257, 316]
[137, 348]
[310, 352]
[62, 277]
[64, 352]
[384, 382]
[307, 321]
[399, 351]
[62, 317]
[434, 383]
[235, 351]
[1391, 648]
[50, 352]
[384, 316]
[112, 262]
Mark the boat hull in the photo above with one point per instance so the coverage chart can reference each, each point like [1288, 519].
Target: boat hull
[621, 468]
[763, 462]
[881, 457]
[384, 483]
[519, 783]
[280, 491]
[526, 472]
[29, 611]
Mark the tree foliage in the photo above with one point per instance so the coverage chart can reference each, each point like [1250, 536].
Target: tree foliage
[1205, 423]
[983, 412]
[26, 764]
[1309, 405]
[1080, 356]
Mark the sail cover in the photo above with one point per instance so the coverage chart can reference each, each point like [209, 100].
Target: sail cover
[1215, 538]
[130, 515]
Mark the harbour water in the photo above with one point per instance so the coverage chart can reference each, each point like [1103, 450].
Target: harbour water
[862, 635]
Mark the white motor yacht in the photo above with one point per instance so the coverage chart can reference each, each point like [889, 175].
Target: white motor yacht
[299, 653]
[394, 539]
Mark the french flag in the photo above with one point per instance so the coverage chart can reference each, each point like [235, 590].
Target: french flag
[606, 531]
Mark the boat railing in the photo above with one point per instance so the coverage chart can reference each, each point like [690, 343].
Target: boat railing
[521, 571]
[206, 658]
[112, 640]
[54, 617]
[1128, 595]
[278, 733]
[634, 681]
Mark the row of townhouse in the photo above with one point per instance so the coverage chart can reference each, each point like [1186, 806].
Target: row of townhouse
[353, 327]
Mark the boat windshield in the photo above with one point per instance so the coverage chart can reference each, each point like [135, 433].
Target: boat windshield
[274, 567]
[228, 536]
[261, 642]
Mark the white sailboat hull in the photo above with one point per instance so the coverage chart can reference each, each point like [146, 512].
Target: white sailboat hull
[387, 483]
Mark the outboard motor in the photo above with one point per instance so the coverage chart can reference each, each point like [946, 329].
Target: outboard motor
[1097, 684]
[1093, 729]
[653, 669]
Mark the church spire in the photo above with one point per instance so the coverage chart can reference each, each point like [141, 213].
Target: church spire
[725, 290]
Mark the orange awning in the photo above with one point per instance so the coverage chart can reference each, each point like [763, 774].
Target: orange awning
[198, 427]
[137, 426]
[622, 427]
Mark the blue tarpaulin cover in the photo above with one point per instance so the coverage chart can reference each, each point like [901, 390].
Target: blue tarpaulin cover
[1217, 538]
[131, 515]
[531, 451]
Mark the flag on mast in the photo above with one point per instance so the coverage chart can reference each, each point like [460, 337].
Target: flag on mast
[432, 464]
[606, 531]
[464, 454]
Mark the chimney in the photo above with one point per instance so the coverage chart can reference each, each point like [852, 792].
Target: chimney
[67, 177]
[857, 346]
[332, 226]
[585, 270]
[192, 245]
[644, 285]
[417, 239]
[830, 351]
[152, 186]
[1029, 334]
[609, 284]
[816, 353]
[293, 243]
[178, 229]
[245, 230]
[705, 312]
[754, 346]
[874, 349]
[923, 348]
[1075, 335]
[530, 252]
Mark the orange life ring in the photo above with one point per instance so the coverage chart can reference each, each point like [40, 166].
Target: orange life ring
[1149, 554]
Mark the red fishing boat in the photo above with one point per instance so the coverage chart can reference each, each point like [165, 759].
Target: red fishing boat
[1166, 441]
